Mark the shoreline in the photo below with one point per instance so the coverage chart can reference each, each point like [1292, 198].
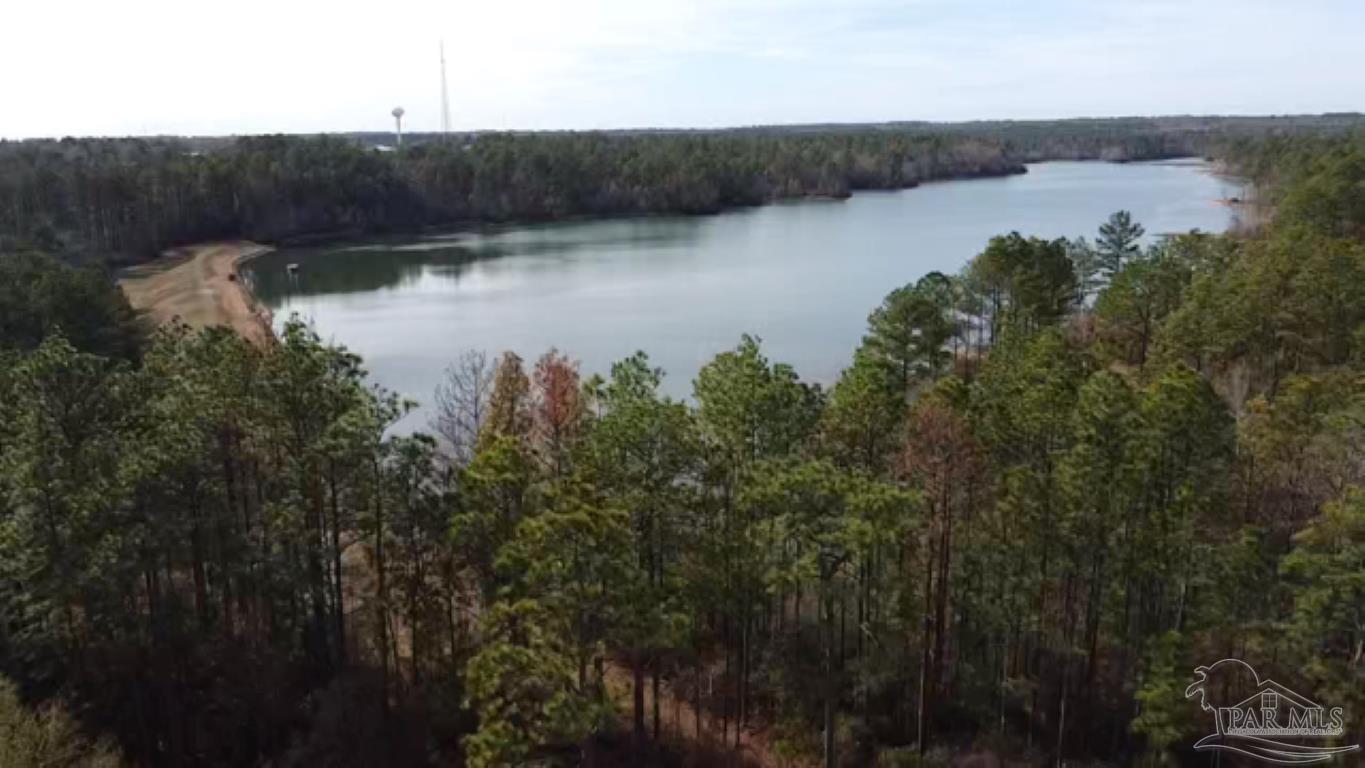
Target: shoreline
[334, 237]
[491, 226]
[464, 226]
[200, 285]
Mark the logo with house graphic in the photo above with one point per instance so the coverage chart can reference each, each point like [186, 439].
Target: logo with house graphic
[1263, 719]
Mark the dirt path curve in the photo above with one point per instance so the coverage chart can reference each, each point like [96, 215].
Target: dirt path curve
[199, 284]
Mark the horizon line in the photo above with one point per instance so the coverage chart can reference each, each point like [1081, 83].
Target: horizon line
[833, 124]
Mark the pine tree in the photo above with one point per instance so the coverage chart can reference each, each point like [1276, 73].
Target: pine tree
[1137, 300]
[1165, 714]
[861, 422]
[1328, 622]
[523, 685]
[1118, 243]
[1086, 264]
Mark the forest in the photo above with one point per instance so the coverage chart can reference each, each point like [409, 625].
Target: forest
[127, 200]
[1042, 492]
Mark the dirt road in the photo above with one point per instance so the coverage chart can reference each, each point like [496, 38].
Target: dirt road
[199, 284]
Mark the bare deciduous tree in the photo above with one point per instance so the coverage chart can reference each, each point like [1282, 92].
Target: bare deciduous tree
[462, 403]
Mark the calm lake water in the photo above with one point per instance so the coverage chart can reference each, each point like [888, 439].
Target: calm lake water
[802, 276]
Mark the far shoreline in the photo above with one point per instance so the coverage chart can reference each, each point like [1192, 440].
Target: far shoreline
[207, 288]
[461, 226]
[333, 237]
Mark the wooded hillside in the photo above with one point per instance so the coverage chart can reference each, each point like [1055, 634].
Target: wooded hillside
[129, 199]
[1041, 493]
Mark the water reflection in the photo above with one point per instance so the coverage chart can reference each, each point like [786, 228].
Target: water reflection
[398, 261]
[803, 276]
[348, 270]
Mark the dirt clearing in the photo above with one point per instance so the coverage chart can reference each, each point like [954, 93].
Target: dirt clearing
[200, 285]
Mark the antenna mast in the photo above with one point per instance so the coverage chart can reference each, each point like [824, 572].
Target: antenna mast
[445, 96]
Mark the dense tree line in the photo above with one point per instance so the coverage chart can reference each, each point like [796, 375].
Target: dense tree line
[131, 198]
[1041, 493]
[128, 199]
[1109, 138]
[1123, 139]
[37, 295]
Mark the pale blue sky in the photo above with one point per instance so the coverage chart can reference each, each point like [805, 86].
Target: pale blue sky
[250, 66]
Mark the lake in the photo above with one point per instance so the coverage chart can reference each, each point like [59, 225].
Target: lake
[801, 275]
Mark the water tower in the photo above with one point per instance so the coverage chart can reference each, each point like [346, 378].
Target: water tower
[398, 125]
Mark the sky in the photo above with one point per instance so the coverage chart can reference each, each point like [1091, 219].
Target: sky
[105, 67]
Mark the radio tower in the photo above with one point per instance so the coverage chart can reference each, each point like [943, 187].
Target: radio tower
[445, 97]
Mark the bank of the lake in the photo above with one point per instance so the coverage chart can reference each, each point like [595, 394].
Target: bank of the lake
[199, 285]
[802, 275]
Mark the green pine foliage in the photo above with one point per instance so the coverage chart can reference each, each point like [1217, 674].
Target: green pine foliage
[1016, 521]
[47, 737]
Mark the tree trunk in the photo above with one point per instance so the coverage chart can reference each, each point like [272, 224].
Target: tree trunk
[828, 715]
[381, 589]
[637, 669]
[337, 593]
[654, 690]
